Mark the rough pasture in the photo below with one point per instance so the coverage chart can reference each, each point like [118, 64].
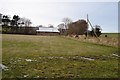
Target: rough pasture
[27, 56]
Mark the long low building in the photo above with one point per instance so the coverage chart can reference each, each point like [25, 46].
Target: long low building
[47, 31]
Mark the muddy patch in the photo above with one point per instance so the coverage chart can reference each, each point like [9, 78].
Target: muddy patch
[115, 55]
[90, 59]
[30, 60]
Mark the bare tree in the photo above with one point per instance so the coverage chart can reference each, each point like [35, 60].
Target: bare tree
[40, 26]
[21, 22]
[61, 28]
[98, 30]
[27, 22]
[67, 21]
[98, 27]
[24, 21]
[50, 26]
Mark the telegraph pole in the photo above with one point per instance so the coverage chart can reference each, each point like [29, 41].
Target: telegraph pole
[91, 26]
[87, 24]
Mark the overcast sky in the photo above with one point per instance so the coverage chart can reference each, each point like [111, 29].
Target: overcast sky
[44, 12]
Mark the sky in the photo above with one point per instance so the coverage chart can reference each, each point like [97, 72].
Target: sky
[45, 12]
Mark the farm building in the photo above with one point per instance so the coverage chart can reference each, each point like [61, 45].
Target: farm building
[48, 31]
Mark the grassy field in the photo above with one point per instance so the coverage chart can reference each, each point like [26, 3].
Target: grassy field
[29, 56]
[113, 35]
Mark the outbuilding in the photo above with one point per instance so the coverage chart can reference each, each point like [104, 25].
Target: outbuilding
[48, 31]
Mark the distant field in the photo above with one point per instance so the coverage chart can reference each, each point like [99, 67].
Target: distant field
[113, 35]
[56, 57]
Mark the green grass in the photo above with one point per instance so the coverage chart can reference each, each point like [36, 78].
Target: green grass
[112, 35]
[55, 56]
